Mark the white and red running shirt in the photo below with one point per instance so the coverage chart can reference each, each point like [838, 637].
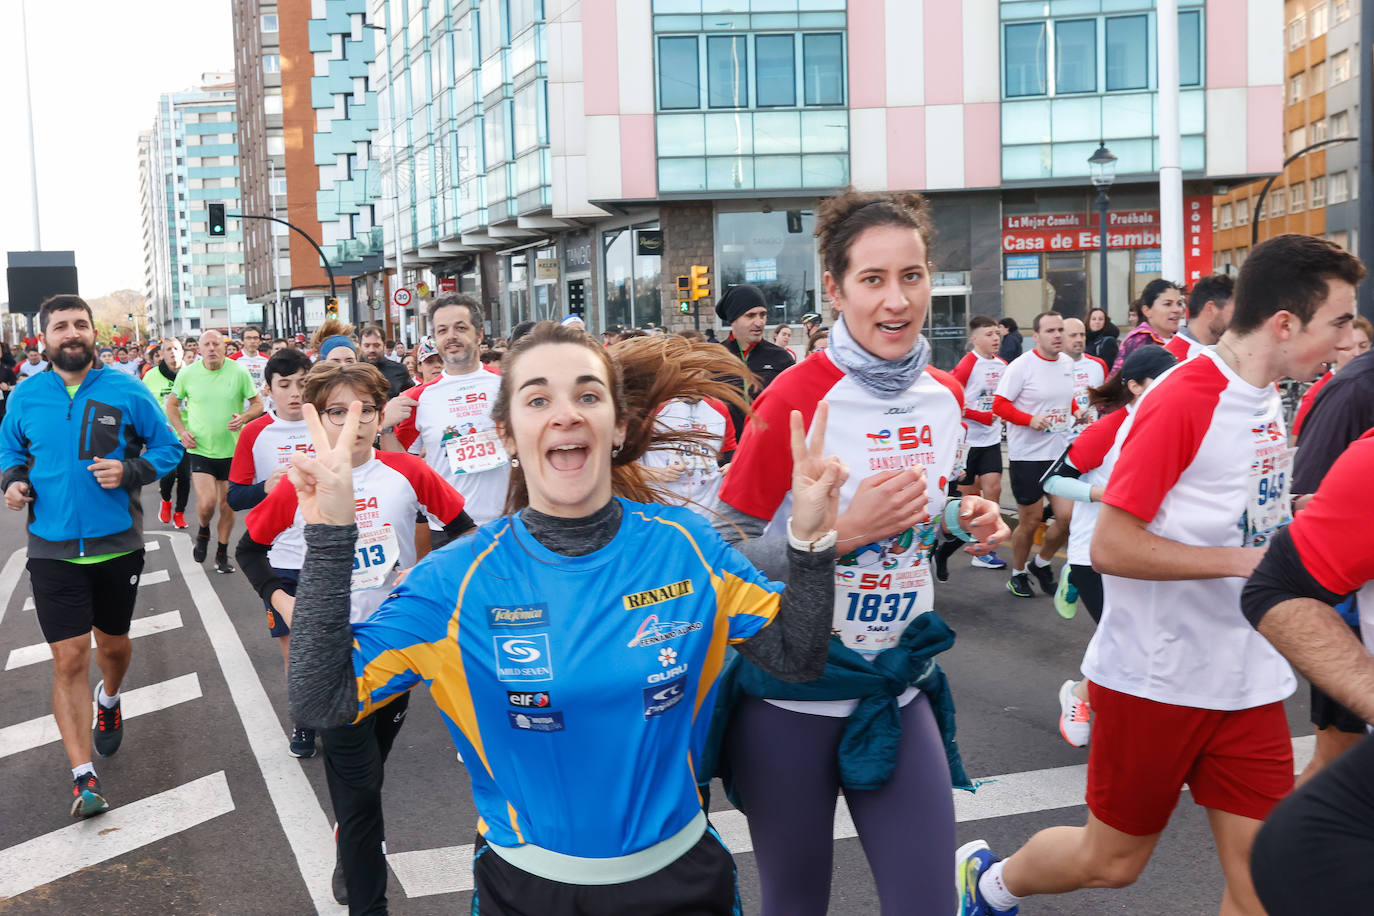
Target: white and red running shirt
[388, 491]
[1183, 346]
[979, 377]
[1203, 460]
[880, 588]
[255, 366]
[1089, 453]
[1088, 372]
[1035, 385]
[701, 473]
[264, 446]
[453, 422]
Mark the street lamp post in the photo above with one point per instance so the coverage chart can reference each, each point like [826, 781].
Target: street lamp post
[1102, 168]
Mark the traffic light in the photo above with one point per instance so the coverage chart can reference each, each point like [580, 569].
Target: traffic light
[331, 307]
[701, 282]
[577, 297]
[684, 294]
[216, 212]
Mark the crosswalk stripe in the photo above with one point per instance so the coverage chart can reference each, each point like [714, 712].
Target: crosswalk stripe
[9, 578]
[15, 739]
[150, 546]
[141, 626]
[308, 830]
[55, 855]
[155, 577]
[448, 869]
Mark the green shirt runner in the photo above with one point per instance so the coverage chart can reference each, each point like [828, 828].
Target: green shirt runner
[212, 399]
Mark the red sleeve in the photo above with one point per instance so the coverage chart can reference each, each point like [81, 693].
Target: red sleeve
[243, 469]
[1090, 449]
[1178, 346]
[1164, 439]
[272, 516]
[1308, 399]
[238, 355]
[761, 472]
[1009, 412]
[1343, 504]
[405, 430]
[729, 443]
[965, 368]
[434, 493]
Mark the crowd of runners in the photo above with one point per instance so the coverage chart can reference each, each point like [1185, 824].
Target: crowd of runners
[627, 566]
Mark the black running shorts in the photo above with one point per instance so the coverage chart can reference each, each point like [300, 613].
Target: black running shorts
[1025, 481]
[217, 468]
[982, 459]
[701, 882]
[70, 598]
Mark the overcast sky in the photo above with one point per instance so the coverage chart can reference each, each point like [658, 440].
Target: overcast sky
[98, 68]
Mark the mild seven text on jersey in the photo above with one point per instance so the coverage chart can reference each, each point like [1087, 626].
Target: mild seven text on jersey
[897, 462]
[525, 615]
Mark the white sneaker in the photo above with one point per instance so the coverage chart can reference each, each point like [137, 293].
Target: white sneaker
[1075, 722]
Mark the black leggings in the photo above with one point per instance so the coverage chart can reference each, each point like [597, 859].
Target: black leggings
[1088, 581]
[354, 757]
[787, 776]
[1314, 851]
[181, 475]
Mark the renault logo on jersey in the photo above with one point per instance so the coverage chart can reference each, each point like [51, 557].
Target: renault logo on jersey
[523, 658]
[657, 595]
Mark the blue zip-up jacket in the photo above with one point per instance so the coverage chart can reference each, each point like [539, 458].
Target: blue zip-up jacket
[49, 439]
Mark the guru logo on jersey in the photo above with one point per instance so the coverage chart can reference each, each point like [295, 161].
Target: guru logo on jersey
[523, 658]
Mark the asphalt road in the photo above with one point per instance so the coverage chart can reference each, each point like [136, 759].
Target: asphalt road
[210, 815]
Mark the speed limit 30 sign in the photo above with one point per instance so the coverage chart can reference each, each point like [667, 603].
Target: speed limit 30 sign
[401, 298]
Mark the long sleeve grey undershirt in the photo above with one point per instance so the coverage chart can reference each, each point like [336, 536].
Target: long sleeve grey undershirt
[321, 683]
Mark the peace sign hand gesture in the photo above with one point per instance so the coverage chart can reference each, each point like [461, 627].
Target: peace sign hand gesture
[324, 482]
[816, 480]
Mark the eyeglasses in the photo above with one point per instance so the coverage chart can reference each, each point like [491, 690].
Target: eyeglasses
[337, 415]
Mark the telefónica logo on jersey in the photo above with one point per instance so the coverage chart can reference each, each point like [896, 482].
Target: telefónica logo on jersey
[523, 658]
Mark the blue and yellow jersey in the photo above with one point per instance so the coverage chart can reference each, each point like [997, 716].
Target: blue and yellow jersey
[578, 689]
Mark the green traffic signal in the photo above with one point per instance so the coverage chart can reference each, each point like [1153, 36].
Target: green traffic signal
[216, 214]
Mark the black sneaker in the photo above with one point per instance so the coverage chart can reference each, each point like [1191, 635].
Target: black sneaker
[1045, 576]
[337, 883]
[87, 796]
[109, 725]
[302, 741]
[202, 549]
[222, 563]
[941, 554]
[1020, 585]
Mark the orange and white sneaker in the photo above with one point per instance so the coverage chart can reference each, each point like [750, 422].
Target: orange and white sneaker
[1075, 716]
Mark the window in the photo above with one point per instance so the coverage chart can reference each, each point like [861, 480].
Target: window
[278, 185]
[1340, 124]
[1296, 193]
[1297, 139]
[823, 69]
[1226, 216]
[1075, 56]
[1318, 191]
[1128, 46]
[269, 22]
[678, 78]
[1316, 78]
[775, 71]
[1342, 10]
[1242, 212]
[1355, 185]
[1318, 130]
[727, 83]
[1190, 48]
[271, 63]
[1024, 58]
[1262, 213]
[271, 104]
[1278, 201]
[1297, 33]
[1295, 90]
[1340, 67]
[1316, 20]
[276, 146]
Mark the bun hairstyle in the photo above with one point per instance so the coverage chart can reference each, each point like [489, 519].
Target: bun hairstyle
[644, 373]
[331, 328]
[844, 217]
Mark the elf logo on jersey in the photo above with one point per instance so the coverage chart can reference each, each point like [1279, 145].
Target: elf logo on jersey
[652, 631]
[536, 699]
[657, 595]
[660, 699]
[524, 658]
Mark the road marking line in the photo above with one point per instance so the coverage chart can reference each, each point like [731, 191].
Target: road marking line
[448, 869]
[141, 626]
[9, 578]
[156, 577]
[136, 702]
[150, 546]
[55, 855]
[307, 829]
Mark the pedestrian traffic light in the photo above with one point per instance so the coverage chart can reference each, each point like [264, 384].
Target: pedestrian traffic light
[216, 220]
[701, 282]
[331, 307]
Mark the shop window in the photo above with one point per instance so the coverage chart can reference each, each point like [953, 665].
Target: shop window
[774, 251]
[630, 281]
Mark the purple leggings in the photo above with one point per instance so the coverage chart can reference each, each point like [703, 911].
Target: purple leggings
[787, 778]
